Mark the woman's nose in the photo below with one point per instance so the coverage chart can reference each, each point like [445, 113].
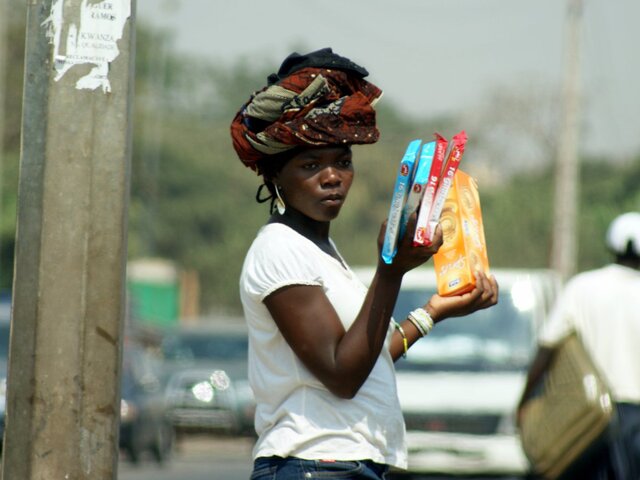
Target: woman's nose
[331, 177]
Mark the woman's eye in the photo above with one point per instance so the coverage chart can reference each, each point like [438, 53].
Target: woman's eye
[346, 163]
[310, 166]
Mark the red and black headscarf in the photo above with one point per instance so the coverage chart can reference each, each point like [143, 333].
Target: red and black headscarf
[318, 99]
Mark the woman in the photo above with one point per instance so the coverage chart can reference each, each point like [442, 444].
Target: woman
[322, 345]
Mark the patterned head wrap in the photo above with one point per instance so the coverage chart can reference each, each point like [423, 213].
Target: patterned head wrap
[318, 99]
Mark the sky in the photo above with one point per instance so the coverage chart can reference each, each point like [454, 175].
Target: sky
[436, 56]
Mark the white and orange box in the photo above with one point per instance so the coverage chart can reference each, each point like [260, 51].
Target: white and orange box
[454, 156]
[421, 236]
[464, 249]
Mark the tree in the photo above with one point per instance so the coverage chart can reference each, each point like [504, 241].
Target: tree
[11, 112]
[193, 202]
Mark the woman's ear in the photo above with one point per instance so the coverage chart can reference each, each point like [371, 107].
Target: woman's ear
[269, 177]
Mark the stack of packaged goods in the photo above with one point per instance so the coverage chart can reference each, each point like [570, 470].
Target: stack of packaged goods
[430, 182]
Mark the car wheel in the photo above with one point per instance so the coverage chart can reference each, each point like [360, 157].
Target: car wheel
[134, 446]
[163, 444]
[133, 454]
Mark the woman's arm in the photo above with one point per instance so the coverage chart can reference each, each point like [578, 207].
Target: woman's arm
[342, 360]
[484, 295]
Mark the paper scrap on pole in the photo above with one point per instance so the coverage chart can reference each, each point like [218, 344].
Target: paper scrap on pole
[94, 41]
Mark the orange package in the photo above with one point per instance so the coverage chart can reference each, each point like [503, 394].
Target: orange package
[464, 250]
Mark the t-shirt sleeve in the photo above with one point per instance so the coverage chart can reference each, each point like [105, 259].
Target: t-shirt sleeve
[278, 262]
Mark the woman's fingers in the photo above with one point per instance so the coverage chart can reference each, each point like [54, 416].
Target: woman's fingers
[381, 234]
[488, 288]
[438, 238]
[495, 289]
[484, 295]
[408, 255]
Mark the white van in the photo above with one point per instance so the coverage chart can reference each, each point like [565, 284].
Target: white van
[460, 385]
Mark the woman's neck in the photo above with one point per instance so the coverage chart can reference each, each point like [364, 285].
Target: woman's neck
[313, 230]
[317, 232]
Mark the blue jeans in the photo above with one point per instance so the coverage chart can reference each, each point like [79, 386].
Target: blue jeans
[291, 468]
[619, 458]
[625, 449]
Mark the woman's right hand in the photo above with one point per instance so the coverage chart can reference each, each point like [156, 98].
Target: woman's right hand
[408, 256]
[484, 295]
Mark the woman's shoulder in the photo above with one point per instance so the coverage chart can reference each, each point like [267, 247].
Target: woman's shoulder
[279, 256]
[275, 234]
[276, 242]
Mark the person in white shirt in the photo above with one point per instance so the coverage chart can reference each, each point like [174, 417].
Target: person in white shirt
[603, 307]
[322, 345]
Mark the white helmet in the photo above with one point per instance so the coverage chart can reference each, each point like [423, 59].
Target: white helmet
[623, 230]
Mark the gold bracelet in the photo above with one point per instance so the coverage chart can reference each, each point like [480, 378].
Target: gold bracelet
[405, 343]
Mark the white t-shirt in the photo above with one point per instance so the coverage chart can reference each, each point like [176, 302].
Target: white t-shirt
[603, 306]
[296, 415]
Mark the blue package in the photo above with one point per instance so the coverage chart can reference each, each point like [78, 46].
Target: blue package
[400, 193]
[420, 179]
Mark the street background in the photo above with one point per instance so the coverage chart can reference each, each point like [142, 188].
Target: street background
[494, 68]
[203, 457]
[432, 57]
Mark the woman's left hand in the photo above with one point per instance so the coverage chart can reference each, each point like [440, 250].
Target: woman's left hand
[409, 256]
[484, 295]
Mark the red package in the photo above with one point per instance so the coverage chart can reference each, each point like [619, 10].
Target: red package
[420, 237]
[451, 166]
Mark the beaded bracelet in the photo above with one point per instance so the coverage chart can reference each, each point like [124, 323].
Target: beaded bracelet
[418, 326]
[405, 343]
[421, 320]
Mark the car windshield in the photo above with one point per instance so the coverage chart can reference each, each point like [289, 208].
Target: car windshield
[498, 338]
[204, 346]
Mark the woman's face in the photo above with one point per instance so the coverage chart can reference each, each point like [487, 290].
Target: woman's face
[316, 181]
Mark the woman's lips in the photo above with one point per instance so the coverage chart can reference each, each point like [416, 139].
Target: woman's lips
[333, 200]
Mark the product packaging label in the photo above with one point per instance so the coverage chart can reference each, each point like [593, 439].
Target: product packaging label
[451, 166]
[420, 236]
[420, 178]
[463, 251]
[400, 193]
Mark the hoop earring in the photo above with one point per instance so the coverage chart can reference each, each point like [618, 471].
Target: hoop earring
[280, 205]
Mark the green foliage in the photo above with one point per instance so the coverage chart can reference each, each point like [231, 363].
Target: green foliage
[518, 216]
[517, 220]
[13, 85]
[11, 144]
[8, 218]
[193, 202]
[606, 192]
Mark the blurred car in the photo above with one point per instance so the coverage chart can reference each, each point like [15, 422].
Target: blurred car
[207, 387]
[145, 426]
[5, 321]
[459, 386]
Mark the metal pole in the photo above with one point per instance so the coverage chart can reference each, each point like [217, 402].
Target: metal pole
[68, 292]
[564, 252]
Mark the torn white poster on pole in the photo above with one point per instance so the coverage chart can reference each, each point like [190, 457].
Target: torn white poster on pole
[93, 41]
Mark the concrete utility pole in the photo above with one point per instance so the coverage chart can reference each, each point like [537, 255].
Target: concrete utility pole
[4, 11]
[564, 252]
[3, 69]
[63, 399]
